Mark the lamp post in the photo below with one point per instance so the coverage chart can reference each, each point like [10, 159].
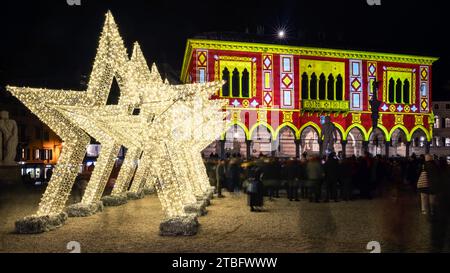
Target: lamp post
[374, 105]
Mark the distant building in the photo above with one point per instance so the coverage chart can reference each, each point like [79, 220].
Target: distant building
[39, 147]
[441, 131]
[279, 95]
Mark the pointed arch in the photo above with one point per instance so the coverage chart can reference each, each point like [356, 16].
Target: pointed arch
[263, 123]
[309, 124]
[400, 127]
[383, 129]
[364, 133]
[231, 124]
[425, 131]
[340, 129]
[287, 124]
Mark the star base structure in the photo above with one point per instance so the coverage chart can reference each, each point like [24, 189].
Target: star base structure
[115, 199]
[180, 225]
[38, 224]
[84, 210]
[135, 195]
[198, 208]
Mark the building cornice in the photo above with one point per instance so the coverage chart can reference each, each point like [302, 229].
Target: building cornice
[298, 50]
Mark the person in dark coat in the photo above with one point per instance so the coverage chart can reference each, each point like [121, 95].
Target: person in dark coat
[255, 189]
[292, 173]
[234, 175]
[220, 177]
[331, 168]
[346, 169]
[315, 176]
[270, 175]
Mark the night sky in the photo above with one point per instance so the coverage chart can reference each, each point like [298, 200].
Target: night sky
[51, 44]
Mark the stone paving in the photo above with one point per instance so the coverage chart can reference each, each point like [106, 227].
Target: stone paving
[229, 226]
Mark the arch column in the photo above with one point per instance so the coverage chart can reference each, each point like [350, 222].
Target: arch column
[387, 144]
[344, 148]
[320, 147]
[248, 143]
[427, 147]
[408, 146]
[365, 146]
[297, 142]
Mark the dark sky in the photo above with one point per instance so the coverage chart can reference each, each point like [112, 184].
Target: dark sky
[51, 44]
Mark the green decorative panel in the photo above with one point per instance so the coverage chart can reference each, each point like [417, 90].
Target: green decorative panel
[325, 105]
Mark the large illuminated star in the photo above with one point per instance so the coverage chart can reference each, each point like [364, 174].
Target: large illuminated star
[109, 62]
[151, 131]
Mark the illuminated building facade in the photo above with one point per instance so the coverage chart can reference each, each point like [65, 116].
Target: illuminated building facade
[279, 94]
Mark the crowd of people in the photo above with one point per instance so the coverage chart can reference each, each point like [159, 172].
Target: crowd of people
[330, 178]
[336, 178]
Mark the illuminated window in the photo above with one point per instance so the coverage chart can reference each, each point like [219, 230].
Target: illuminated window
[339, 88]
[330, 88]
[355, 69]
[287, 99]
[245, 84]
[235, 83]
[356, 100]
[436, 122]
[391, 97]
[423, 89]
[313, 87]
[398, 91]
[447, 142]
[201, 75]
[226, 86]
[37, 154]
[305, 93]
[406, 90]
[322, 87]
[286, 64]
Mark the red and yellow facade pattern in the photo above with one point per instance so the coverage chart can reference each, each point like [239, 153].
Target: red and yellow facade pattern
[280, 87]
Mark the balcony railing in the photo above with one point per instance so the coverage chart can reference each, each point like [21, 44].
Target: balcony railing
[325, 106]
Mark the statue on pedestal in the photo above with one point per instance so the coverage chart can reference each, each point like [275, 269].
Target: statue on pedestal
[8, 139]
[329, 136]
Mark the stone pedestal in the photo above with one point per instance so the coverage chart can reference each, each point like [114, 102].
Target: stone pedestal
[84, 210]
[10, 174]
[38, 224]
[182, 225]
[149, 190]
[198, 209]
[135, 195]
[115, 200]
